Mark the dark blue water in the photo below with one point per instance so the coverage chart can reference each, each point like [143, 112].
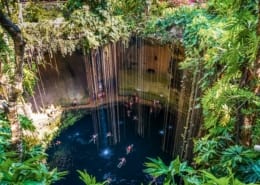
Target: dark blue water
[74, 149]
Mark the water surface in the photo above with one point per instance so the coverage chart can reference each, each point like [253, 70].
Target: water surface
[74, 149]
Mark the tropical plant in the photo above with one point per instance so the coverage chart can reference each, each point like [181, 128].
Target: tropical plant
[249, 173]
[157, 168]
[88, 179]
[94, 5]
[4, 133]
[30, 79]
[26, 171]
[30, 171]
[210, 179]
[191, 176]
[206, 151]
[243, 162]
[26, 123]
[256, 132]
[236, 155]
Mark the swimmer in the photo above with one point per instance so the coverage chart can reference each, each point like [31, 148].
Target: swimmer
[109, 134]
[93, 138]
[128, 113]
[58, 142]
[122, 162]
[151, 110]
[129, 149]
[135, 118]
[130, 102]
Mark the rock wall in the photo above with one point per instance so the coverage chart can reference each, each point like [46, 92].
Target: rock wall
[62, 80]
[65, 80]
[153, 58]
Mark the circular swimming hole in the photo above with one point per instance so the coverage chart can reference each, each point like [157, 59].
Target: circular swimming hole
[111, 144]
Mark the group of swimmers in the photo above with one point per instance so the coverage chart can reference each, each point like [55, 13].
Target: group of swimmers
[122, 160]
[156, 106]
[94, 137]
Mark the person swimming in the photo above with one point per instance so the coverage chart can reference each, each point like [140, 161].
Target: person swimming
[129, 149]
[109, 134]
[93, 138]
[128, 113]
[135, 118]
[122, 162]
[58, 142]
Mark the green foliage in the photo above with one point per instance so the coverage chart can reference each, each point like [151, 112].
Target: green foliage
[218, 154]
[6, 53]
[176, 168]
[156, 168]
[72, 5]
[236, 155]
[158, 8]
[88, 179]
[210, 179]
[243, 162]
[250, 173]
[94, 5]
[188, 20]
[220, 104]
[67, 120]
[128, 8]
[29, 79]
[26, 123]
[220, 40]
[3, 45]
[84, 29]
[31, 169]
[71, 117]
[206, 151]
[35, 12]
[223, 42]
[230, 7]
[256, 132]
[4, 133]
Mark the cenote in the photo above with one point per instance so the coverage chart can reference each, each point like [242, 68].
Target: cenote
[129, 92]
[75, 149]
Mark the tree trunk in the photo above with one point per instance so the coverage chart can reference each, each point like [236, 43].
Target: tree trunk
[257, 63]
[248, 121]
[16, 88]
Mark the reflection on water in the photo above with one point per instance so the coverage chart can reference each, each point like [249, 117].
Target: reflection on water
[86, 145]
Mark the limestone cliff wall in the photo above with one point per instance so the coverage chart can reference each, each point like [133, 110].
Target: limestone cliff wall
[61, 81]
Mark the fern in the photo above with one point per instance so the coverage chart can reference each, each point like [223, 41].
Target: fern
[237, 155]
[88, 179]
[250, 173]
[157, 168]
